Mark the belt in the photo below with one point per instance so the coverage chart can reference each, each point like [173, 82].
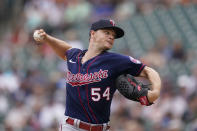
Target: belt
[87, 126]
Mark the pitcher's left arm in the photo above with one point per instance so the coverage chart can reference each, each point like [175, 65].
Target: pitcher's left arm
[155, 81]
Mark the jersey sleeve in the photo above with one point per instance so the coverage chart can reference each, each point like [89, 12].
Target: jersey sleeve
[72, 53]
[135, 66]
[128, 65]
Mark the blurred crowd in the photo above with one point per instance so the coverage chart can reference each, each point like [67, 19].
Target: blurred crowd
[32, 77]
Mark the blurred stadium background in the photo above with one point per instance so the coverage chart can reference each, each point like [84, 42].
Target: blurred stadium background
[161, 33]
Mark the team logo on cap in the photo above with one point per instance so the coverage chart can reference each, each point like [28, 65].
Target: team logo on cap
[112, 22]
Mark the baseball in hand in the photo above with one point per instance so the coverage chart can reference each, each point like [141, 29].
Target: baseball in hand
[37, 36]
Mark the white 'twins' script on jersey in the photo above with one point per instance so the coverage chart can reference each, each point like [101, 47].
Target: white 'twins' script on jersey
[83, 79]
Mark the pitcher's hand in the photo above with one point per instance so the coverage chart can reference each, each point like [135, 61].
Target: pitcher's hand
[40, 36]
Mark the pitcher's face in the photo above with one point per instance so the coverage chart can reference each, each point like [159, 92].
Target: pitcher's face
[104, 38]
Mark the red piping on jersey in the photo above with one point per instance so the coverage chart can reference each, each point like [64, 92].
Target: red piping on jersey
[78, 61]
[83, 105]
[87, 92]
[86, 113]
[141, 68]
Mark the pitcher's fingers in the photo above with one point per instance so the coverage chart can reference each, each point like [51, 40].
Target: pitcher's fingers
[41, 30]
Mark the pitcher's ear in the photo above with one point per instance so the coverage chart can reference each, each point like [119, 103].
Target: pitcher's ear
[91, 33]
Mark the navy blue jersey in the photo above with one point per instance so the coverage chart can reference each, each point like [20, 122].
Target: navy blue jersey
[90, 86]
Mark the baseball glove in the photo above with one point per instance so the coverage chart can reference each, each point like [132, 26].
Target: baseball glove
[132, 89]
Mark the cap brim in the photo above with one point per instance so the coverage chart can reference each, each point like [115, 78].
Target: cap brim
[119, 32]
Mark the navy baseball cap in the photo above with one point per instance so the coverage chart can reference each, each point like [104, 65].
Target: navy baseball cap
[108, 24]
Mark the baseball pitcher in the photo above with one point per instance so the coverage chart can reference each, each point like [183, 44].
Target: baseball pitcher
[94, 75]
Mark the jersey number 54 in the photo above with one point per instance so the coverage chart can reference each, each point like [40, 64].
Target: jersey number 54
[96, 94]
